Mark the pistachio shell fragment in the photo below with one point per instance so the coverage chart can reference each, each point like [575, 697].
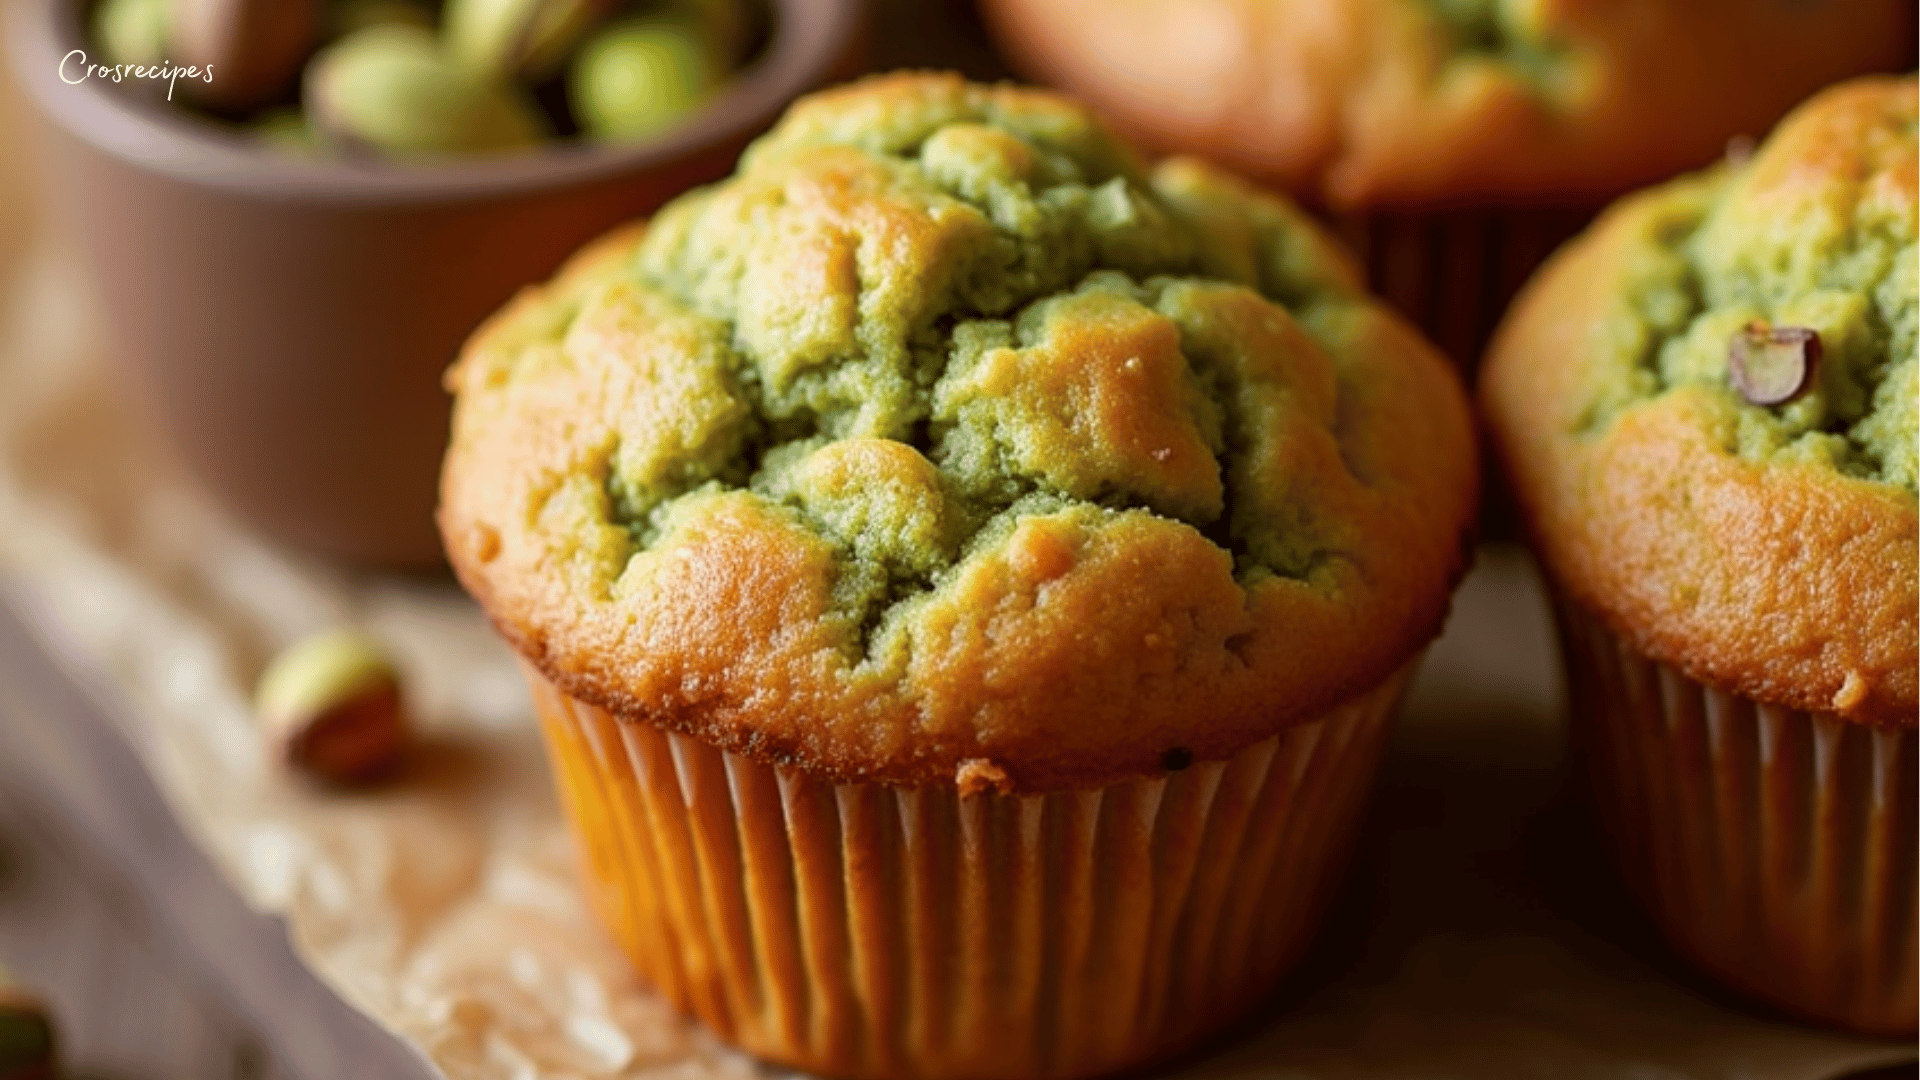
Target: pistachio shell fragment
[639, 78]
[332, 705]
[389, 90]
[255, 47]
[133, 32]
[530, 39]
[1772, 365]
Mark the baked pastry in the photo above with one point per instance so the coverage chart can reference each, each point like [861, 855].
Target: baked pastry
[1706, 405]
[964, 579]
[1456, 143]
[1369, 103]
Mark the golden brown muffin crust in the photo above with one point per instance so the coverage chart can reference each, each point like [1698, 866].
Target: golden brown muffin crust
[1770, 551]
[942, 440]
[1398, 102]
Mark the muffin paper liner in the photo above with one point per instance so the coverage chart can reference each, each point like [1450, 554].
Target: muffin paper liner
[872, 931]
[1453, 272]
[1775, 848]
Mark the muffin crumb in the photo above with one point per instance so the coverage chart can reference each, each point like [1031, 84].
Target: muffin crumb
[977, 776]
[1852, 692]
[486, 542]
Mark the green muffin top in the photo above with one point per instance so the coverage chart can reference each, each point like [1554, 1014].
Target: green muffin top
[929, 264]
[1707, 406]
[1789, 240]
[921, 317]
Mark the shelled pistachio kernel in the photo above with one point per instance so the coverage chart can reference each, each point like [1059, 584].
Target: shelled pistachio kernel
[27, 1040]
[133, 32]
[389, 90]
[1772, 365]
[527, 39]
[639, 78]
[332, 704]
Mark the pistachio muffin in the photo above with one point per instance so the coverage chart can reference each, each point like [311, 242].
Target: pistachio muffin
[1455, 143]
[964, 578]
[1405, 102]
[1707, 407]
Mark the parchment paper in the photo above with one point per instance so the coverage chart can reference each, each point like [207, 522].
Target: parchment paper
[1480, 936]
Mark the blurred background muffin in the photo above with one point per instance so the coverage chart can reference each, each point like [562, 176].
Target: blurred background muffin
[1384, 111]
[1707, 407]
[964, 578]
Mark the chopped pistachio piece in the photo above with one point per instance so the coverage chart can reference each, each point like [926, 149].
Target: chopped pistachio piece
[1772, 366]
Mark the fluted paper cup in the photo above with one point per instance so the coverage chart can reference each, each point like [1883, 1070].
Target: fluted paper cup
[1454, 272]
[861, 930]
[1775, 848]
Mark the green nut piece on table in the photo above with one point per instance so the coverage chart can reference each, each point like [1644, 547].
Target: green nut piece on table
[639, 78]
[528, 39]
[332, 704]
[254, 47]
[389, 90]
[133, 33]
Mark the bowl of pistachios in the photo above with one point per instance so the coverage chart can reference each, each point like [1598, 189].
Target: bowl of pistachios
[291, 212]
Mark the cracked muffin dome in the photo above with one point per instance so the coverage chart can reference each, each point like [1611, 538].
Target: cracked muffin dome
[1764, 548]
[942, 443]
[1398, 102]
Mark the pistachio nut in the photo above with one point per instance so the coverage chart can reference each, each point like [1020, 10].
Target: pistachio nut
[332, 704]
[729, 27]
[27, 1041]
[345, 17]
[284, 129]
[133, 32]
[388, 89]
[254, 47]
[1772, 365]
[638, 78]
[526, 39]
